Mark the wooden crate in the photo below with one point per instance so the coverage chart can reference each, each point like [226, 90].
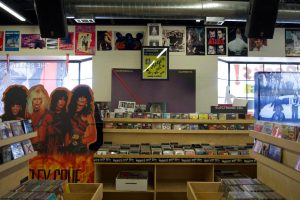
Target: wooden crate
[204, 190]
[84, 191]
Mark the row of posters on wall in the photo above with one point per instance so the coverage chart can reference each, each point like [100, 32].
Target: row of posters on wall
[181, 40]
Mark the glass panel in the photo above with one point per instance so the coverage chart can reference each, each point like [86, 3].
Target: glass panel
[251, 106]
[86, 70]
[237, 71]
[88, 82]
[72, 77]
[250, 89]
[221, 100]
[222, 70]
[252, 68]
[288, 68]
[222, 87]
[272, 68]
[238, 88]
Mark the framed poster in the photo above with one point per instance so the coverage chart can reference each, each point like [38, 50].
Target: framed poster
[292, 42]
[216, 41]
[155, 63]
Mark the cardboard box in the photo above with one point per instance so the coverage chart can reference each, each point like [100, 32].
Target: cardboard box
[132, 181]
[84, 191]
[204, 190]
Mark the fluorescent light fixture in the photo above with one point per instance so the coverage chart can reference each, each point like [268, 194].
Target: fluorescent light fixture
[235, 20]
[70, 17]
[12, 12]
[198, 20]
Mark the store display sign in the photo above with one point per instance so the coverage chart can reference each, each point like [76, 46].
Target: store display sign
[228, 109]
[155, 63]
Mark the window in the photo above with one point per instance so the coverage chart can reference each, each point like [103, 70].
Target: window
[51, 74]
[240, 78]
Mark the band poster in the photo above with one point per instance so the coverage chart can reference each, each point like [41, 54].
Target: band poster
[65, 126]
[216, 41]
[195, 41]
[12, 39]
[85, 40]
[174, 38]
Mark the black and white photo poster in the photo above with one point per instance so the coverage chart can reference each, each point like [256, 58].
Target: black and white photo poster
[154, 35]
[174, 38]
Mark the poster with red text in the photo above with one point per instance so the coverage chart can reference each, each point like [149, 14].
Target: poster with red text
[85, 40]
[216, 41]
[65, 126]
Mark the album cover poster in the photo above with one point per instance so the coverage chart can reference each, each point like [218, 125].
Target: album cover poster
[12, 39]
[237, 42]
[85, 40]
[32, 41]
[6, 154]
[292, 42]
[125, 40]
[52, 43]
[102, 110]
[216, 41]
[66, 43]
[27, 126]
[8, 129]
[2, 132]
[27, 146]
[275, 153]
[257, 44]
[195, 41]
[16, 128]
[104, 40]
[1, 40]
[175, 39]
[154, 31]
[17, 150]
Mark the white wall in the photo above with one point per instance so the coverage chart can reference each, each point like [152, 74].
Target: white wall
[103, 62]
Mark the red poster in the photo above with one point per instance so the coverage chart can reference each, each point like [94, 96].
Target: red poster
[1, 40]
[85, 40]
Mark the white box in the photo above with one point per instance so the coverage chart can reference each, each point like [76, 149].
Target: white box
[132, 181]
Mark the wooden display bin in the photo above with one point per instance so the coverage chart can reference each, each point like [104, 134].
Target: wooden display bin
[204, 190]
[84, 191]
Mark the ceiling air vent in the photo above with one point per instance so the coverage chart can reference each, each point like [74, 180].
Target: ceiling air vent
[84, 20]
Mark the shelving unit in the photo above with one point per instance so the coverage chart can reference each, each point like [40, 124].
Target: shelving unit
[169, 180]
[12, 172]
[281, 177]
[217, 137]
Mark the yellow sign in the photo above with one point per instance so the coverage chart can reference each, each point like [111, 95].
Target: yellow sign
[155, 63]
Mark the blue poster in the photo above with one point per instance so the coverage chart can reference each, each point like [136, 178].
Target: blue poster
[12, 39]
[277, 96]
